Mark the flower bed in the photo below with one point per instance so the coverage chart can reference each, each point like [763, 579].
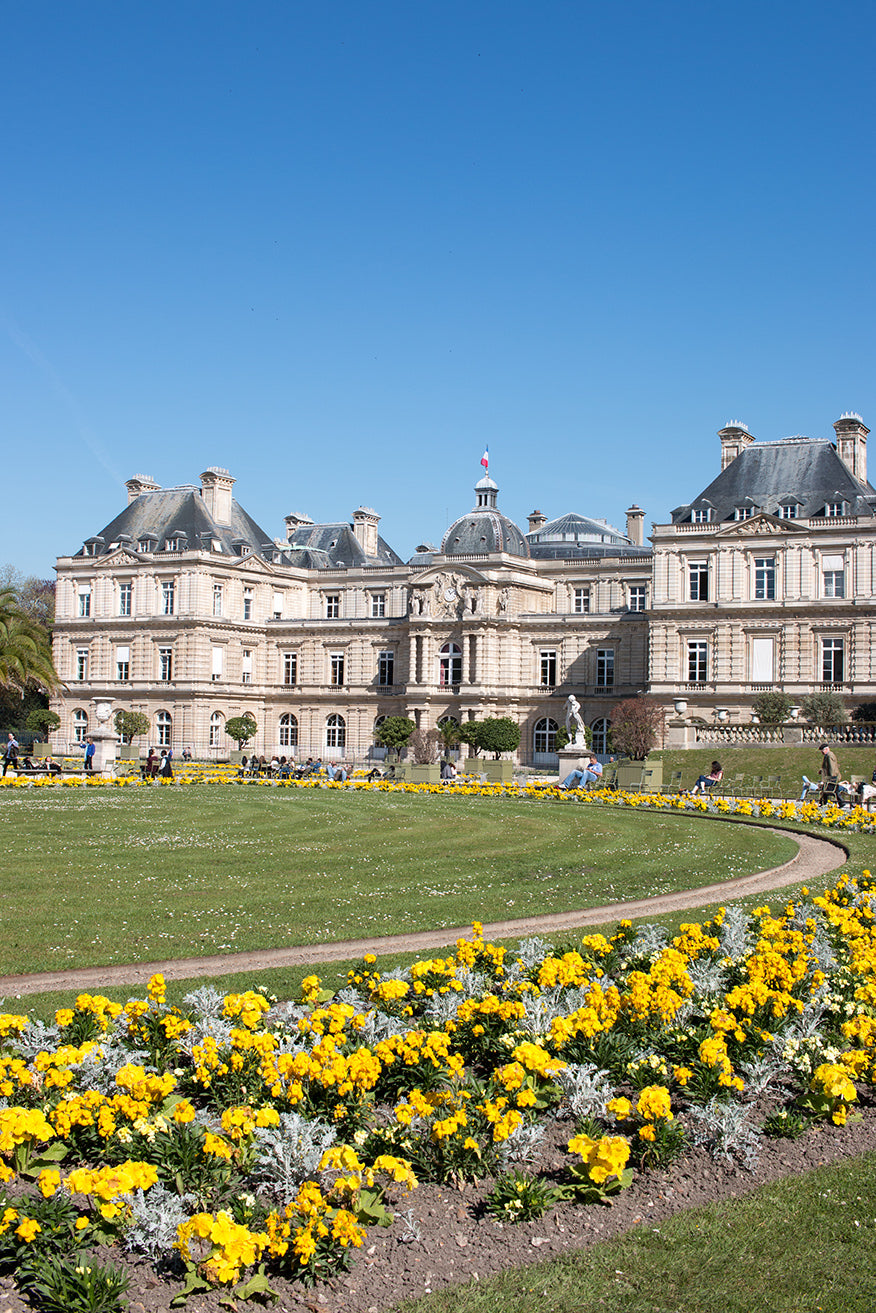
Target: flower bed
[238, 1143]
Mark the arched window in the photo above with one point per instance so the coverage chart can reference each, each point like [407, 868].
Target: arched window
[163, 726]
[336, 732]
[599, 730]
[288, 731]
[80, 726]
[216, 729]
[450, 664]
[544, 735]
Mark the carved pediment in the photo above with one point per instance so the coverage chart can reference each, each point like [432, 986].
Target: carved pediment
[121, 556]
[252, 561]
[759, 526]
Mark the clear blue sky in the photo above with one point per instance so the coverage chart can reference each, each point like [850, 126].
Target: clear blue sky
[339, 247]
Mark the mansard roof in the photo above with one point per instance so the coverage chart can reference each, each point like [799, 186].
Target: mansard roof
[179, 513]
[766, 475]
[337, 545]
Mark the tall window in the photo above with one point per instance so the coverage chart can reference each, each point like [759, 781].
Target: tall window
[386, 668]
[697, 662]
[167, 591]
[217, 599]
[163, 728]
[290, 667]
[288, 731]
[337, 667]
[378, 605]
[165, 663]
[216, 729]
[123, 663]
[82, 663]
[80, 726]
[547, 668]
[126, 592]
[698, 578]
[332, 606]
[637, 597]
[336, 732]
[580, 600]
[278, 606]
[605, 666]
[833, 660]
[218, 659]
[84, 602]
[765, 578]
[450, 664]
[833, 577]
[246, 667]
[544, 735]
[247, 604]
[599, 739]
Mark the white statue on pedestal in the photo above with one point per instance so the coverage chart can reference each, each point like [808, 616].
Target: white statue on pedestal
[574, 723]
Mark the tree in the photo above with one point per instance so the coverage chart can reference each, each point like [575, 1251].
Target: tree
[825, 709]
[43, 721]
[241, 729]
[496, 734]
[866, 712]
[395, 731]
[469, 734]
[636, 727]
[424, 746]
[131, 723]
[773, 707]
[25, 648]
[448, 728]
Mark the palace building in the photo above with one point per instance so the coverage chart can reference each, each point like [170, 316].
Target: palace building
[184, 608]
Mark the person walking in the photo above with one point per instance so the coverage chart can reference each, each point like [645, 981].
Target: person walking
[830, 771]
[10, 753]
[89, 755]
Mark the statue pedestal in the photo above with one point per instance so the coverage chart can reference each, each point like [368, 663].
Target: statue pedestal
[575, 756]
[105, 738]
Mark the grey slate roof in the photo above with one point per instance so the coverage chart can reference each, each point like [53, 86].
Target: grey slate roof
[766, 475]
[484, 529]
[338, 544]
[180, 513]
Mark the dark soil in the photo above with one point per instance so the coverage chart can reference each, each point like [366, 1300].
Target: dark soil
[451, 1241]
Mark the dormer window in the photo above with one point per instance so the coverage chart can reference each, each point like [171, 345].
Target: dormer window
[743, 512]
[833, 509]
[701, 515]
[173, 545]
[145, 544]
[788, 510]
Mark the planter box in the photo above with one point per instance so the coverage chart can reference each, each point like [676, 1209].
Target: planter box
[40, 750]
[491, 770]
[237, 757]
[128, 752]
[645, 776]
[414, 774]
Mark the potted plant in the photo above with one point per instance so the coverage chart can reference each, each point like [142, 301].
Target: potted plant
[129, 725]
[636, 728]
[424, 768]
[241, 729]
[496, 734]
[44, 722]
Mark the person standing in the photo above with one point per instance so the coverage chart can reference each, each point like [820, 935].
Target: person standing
[89, 755]
[830, 770]
[10, 753]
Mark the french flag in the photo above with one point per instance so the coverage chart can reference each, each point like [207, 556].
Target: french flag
[485, 459]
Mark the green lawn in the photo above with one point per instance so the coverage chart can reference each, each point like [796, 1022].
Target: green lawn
[791, 763]
[107, 877]
[794, 1246]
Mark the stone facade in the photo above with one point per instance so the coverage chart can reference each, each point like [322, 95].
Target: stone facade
[183, 608]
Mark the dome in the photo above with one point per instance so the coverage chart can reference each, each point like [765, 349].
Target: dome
[485, 529]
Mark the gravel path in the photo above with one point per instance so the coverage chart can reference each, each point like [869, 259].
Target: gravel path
[815, 858]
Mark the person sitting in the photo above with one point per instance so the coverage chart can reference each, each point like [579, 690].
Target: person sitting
[150, 767]
[165, 770]
[705, 783]
[809, 786]
[448, 771]
[26, 765]
[53, 767]
[340, 773]
[187, 754]
[578, 779]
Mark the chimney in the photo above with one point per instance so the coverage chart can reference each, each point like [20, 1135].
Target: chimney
[735, 437]
[851, 443]
[139, 484]
[216, 485]
[536, 520]
[636, 525]
[365, 522]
